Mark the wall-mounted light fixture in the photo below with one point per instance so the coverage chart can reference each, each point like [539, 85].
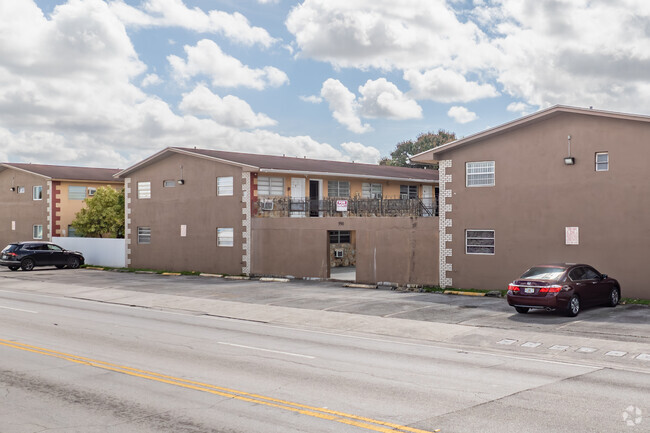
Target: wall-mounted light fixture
[569, 160]
[181, 181]
[12, 189]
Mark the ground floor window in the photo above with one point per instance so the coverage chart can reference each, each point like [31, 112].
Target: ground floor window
[38, 231]
[225, 237]
[339, 237]
[144, 235]
[479, 241]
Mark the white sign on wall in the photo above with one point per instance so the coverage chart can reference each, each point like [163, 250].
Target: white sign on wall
[341, 205]
[183, 230]
[572, 235]
[13, 225]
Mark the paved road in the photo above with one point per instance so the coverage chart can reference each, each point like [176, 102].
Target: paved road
[178, 363]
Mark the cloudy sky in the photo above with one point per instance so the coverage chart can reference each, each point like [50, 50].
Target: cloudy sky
[109, 82]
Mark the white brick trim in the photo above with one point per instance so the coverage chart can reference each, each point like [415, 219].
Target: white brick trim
[445, 221]
[246, 222]
[127, 220]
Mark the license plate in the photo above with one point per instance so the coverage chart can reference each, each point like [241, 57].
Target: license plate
[529, 290]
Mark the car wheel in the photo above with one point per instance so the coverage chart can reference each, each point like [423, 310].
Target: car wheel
[574, 307]
[60, 266]
[614, 297]
[522, 310]
[73, 262]
[27, 264]
[14, 268]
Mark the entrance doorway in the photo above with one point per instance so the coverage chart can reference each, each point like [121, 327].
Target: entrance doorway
[342, 253]
[315, 194]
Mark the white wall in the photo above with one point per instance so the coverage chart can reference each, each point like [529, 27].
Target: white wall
[97, 251]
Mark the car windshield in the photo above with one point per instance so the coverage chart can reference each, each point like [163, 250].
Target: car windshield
[10, 248]
[543, 273]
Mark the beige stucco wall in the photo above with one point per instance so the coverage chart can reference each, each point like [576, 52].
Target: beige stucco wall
[195, 205]
[400, 249]
[21, 208]
[537, 196]
[66, 209]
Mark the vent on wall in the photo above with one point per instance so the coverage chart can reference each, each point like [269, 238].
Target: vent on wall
[338, 254]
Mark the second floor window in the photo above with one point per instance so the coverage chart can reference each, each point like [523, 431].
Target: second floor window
[144, 190]
[38, 193]
[76, 192]
[270, 185]
[479, 173]
[602, 161]
[338, 188]
[371, 190]
[225, 185]
[408, 191]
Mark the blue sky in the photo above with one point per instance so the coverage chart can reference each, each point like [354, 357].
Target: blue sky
[109, 82]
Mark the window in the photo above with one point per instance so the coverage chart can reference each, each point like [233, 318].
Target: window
[340, 237]
[38, 231]
[76, 192]
[338, 188]
[270, 185]
[479, 173]
[72, 232]
[371, 190]
[144, 235]
[21, 190]
[602, 161]
[38, 193]
[91, 191]
[479, 241]
[224, 185]
[225, 237]
[408, 191]
[144, 189]
[169, 183]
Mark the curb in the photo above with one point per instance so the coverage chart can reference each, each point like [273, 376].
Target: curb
[457, 292]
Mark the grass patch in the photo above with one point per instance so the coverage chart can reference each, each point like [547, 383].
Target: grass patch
[635, 301]
[134, 270]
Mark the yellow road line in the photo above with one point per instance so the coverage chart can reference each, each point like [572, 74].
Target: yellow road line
[326, 414]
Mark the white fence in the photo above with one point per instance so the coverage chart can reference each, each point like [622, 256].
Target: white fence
[97, 251]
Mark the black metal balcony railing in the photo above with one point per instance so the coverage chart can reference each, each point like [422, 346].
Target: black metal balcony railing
[358, 207]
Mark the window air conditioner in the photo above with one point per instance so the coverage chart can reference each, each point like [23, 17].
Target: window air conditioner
[267, 205]
[338, 254]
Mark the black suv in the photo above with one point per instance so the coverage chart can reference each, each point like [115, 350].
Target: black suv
[27, 255]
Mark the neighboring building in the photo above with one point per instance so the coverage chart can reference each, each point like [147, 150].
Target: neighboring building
[41, 201]
[560, 185]
[237, 213]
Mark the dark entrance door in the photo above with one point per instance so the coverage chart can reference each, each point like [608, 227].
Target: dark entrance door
[313, 198]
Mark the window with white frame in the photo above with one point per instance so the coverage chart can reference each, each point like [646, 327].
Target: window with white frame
[91, 191]
[602, 161]
[225, 237]
[76, 192]
[479, 173]
[479, 241]
[21, 190]
[144, 190]
[38, 231]
[38, 193]
[338, 188]
[270, 185]
[408, 191]
[169, 183]
[371, 190]
[144, 235]
[225, 185]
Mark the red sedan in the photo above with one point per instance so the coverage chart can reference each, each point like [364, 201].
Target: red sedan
[564, 287]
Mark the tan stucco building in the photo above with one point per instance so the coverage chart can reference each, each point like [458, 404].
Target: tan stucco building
[41, 201]
[236, 213]
[561, 185]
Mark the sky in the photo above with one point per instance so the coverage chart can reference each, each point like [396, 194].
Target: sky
[108, 83]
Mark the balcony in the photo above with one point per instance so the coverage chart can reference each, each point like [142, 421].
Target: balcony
[276, 207]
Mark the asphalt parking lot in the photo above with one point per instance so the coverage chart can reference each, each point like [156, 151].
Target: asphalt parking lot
[624, 323]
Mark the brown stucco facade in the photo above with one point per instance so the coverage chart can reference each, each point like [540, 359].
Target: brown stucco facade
[536, 197]
[19, 212]
[400, 250]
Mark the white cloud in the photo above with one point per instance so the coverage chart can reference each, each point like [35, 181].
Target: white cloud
[206, 58]
[357, 152]
[151, 80]
[343, 105]
[442, 85]
[519, 107]
[228, 111]
[461, 114]
[381, 98]
[265, 2]
[174, 13]
[313, 99]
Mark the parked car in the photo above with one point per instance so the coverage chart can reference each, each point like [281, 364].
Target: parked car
[27, 255]
[564, 287]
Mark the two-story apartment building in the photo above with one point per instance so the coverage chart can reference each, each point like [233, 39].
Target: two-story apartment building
[561, 185]
[236, 213]
[40, 201]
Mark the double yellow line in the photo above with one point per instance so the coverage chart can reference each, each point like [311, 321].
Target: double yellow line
[325, 414]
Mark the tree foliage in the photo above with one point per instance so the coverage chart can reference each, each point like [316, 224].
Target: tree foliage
[425, 141]
[103, 215]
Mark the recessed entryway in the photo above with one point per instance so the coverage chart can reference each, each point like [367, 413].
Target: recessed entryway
[342, 255]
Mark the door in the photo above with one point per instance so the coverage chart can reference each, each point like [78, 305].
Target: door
[427, 200]
[314, 198]
[297, 208]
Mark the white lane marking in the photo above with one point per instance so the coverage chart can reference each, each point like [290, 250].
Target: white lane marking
[557, 347]
[507, 341]
[644, 357]
[531, 344]
[267, 350]
[19, 309]
[615, 353]
[587, 350]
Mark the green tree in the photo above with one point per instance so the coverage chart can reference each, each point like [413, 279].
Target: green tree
[103, 215]
[425, 141]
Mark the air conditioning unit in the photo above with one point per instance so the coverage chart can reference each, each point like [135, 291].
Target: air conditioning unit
[266, 205]
[338, 254]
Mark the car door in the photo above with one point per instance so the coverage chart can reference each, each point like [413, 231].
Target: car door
[57, 255]
[601, 287]
[592, 283]
[39, 253]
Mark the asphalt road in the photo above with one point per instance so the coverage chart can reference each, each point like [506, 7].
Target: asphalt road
[88, 351]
